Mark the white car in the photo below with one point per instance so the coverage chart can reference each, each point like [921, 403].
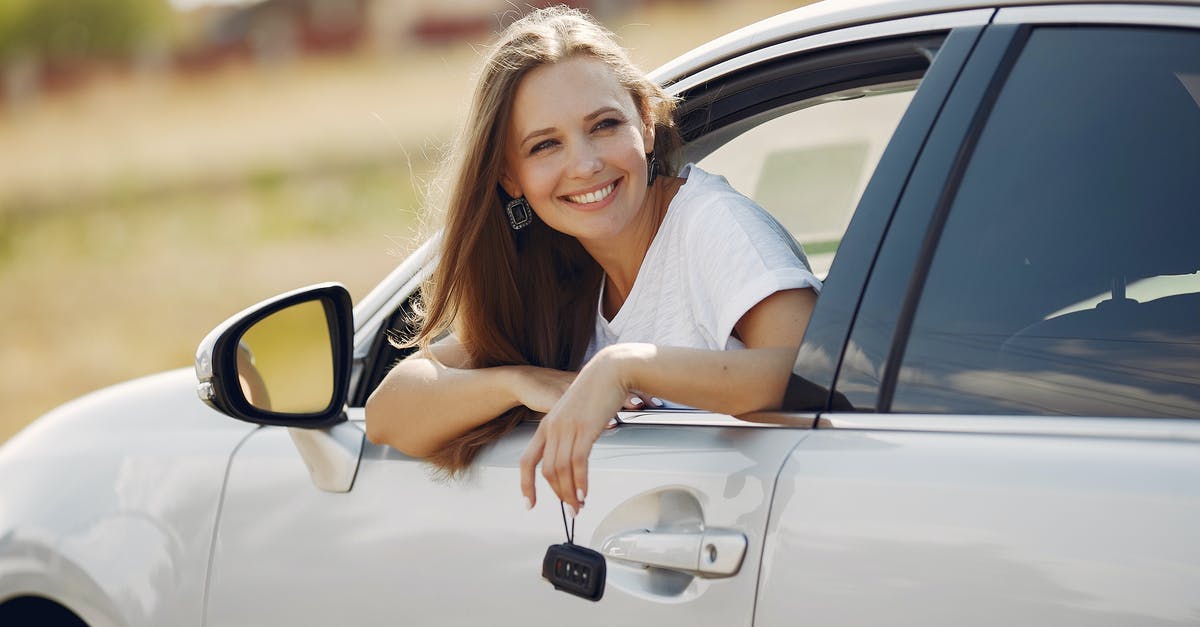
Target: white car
[993, 419]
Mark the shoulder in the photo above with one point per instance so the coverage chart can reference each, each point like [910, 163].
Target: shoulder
[708, 207]
[712, 191]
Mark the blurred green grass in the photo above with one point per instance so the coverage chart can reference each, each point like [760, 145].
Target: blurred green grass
[137, 214]
[117, 290]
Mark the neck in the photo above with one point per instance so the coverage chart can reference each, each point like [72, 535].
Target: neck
[621, 258]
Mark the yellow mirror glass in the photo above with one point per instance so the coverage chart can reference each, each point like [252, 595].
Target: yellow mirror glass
[285, 361]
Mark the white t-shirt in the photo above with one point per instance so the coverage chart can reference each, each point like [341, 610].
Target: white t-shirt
[716, 255]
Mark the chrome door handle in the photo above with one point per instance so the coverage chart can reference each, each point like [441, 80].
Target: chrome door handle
[710, 553]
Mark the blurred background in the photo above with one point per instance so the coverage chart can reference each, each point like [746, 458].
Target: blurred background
[164, 164]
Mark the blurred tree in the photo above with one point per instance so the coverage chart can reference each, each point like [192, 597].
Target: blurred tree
[70, 31]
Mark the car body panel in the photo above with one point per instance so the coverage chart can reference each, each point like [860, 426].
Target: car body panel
[1123, 13]
[877, 526]
[404, 544]
[109, 502]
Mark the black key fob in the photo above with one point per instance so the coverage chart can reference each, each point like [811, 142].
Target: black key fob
[575, 569]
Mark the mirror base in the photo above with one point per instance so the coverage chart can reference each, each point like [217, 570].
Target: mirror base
[330, 454]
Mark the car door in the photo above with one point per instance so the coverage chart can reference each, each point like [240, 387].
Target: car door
[679, 501]
[1018, 439]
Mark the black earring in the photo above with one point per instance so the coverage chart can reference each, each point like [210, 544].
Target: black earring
[651, 168]
[520, 214]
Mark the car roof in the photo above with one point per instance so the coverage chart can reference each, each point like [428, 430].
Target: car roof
[834, 14]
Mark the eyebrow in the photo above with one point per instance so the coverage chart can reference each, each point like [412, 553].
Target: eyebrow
[591, 116]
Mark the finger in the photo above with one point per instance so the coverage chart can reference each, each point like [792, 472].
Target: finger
[529, 460]
[579, 466]
[634, 402]
[549, 453]
[564, 478]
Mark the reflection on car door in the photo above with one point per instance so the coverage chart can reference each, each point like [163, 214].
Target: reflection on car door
[405, 548]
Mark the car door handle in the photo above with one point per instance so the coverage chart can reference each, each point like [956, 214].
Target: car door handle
[710, 553]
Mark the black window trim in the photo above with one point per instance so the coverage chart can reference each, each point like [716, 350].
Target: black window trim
[832, 325]
[714, 105]
[1016, 38]
[979, 51]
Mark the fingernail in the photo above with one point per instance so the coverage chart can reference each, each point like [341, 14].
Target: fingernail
[657, 402]
[579, 496]
[570, 511]
[635, 401]
[528, 503]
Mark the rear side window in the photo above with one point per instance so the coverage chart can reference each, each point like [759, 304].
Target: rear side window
[1066, 277]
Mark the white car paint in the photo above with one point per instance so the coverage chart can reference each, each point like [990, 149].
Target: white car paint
[401, 545]
[953, 528]
[110, 505]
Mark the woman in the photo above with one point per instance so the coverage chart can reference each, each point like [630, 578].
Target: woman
[575, 278]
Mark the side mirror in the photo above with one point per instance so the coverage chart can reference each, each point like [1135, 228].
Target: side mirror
[285, 361]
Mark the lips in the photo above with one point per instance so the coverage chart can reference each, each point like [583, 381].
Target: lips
[593, 196]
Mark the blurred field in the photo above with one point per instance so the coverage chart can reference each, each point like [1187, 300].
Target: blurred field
[139, 212]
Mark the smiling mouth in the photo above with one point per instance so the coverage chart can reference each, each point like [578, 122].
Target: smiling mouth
[591, 197]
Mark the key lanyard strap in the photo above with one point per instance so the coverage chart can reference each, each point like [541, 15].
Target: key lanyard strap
[571, 533]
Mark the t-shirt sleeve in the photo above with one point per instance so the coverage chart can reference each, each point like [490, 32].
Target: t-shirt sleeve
[739, 256]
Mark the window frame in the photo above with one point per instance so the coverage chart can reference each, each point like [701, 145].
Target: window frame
[907, 253]
[897, 274]
[829, 62]
[891, 57]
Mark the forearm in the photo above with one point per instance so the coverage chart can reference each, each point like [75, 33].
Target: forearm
[421, 405]
[730, 382]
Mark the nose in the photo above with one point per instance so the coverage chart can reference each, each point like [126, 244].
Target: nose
[585, 159]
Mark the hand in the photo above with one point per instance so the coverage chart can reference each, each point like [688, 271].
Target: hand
[540, 388]
[565, 436]
[638, 400]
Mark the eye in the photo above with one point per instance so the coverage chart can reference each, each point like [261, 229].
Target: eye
[543, 145]
[608, 123]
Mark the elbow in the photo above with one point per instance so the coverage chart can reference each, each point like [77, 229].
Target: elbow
[380, 421]
[383, 429]
[377, 432]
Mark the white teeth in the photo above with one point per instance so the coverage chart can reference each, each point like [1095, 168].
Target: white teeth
[595, 196]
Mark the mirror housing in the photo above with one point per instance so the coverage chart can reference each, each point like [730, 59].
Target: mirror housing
[308, 328]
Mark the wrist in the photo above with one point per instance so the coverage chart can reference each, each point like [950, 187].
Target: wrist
[508, 383]
[624, 363]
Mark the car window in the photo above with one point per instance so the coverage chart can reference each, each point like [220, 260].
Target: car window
[809, 166]
[801, 137]
[1065, 280]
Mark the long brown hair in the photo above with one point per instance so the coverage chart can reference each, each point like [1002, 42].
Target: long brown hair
[528, 296]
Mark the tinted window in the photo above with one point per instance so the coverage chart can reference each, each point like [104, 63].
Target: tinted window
[1065, 279]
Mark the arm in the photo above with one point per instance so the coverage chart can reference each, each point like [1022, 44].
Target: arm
[250, 379]
[424, 403]
[733, 382]
[729, 382]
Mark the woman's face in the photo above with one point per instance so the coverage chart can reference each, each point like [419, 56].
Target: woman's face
[576, 149]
